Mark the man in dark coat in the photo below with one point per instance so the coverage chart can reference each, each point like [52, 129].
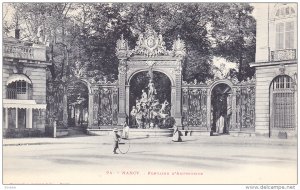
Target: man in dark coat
[116, 138]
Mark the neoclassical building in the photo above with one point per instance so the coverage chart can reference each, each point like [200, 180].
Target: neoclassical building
[276, 70]
[23, 88]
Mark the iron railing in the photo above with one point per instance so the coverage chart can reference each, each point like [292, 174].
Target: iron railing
[283, 55]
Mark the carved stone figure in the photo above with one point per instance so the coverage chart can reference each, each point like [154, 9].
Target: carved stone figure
[163, 106]
[138, 105]
[152, 89]
[144, 98]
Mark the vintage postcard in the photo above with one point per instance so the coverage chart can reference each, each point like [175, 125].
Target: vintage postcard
[150, 93]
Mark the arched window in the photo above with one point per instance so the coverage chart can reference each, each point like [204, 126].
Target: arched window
[19, 86]
[284, 11]
[282, 103]
[19, 90]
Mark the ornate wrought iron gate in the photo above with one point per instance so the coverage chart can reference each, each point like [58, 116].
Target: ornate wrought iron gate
[102, 106]
[194, 106]
[197, 107]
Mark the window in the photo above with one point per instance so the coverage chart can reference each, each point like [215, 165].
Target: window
[282, 103]
[285, 11]
[21, 87]
[282, 82]
[279, 35]
[17, 89]
[289, 35]
[285, 35]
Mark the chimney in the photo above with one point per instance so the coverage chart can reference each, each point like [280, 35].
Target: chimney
[17, 33]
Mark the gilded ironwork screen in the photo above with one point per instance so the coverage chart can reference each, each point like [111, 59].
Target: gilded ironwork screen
[107, 106]
[194, 107]
[245, 104]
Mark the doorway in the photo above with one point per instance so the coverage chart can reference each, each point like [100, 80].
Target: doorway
[221, 99]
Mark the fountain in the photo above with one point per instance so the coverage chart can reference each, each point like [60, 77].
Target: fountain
[148, 112]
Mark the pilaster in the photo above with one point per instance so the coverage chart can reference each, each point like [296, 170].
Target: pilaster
[91, 105]
[234, 110]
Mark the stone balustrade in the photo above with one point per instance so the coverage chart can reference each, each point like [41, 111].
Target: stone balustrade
[22, 51]
[283, 55]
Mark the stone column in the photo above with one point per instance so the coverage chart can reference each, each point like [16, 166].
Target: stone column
[173, 101]
[6, 118]
[65, 108]
[29, 118]
[208, 104]
[91, 105]
[127, 89]
[296, 107]
[233, 109]
[122, 91]
[178, 80]
[17, 117]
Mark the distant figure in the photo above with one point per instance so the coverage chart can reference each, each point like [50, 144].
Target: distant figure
[116, 138]
[220, 125]
[176, 134]
[133, 115]
[125, 133]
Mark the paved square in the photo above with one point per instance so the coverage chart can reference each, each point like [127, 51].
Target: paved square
[199, 160]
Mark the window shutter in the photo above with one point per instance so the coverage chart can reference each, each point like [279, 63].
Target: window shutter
[289, 35]
[279, 35]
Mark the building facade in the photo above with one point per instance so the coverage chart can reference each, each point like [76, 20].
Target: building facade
[23, 88]
[276, 70]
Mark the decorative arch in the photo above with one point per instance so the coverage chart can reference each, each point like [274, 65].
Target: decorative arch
[232, 101]
[282, 10]
[72, 109]
[150, 53]
[224, 81]
[83, 81]
[282, 72]
[131, 74]
[18, 77]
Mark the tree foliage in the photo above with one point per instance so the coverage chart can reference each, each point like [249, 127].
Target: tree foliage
[87, 32]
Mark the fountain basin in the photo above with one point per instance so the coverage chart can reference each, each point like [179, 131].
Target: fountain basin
[134, 132]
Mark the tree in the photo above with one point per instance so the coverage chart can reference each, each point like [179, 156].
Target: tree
[88, 33]
[234, 36]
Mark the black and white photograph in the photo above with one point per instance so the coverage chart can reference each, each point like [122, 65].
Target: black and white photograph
[164, 93]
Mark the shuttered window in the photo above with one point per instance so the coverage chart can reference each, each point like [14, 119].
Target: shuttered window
[289, 35]
[279, 35]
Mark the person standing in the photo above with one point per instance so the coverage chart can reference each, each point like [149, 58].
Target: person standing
[220, 125]
[125, 132]
[116, 138]
[176, 134]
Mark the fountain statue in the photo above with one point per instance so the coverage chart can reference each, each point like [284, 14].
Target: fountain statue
[148, 111]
